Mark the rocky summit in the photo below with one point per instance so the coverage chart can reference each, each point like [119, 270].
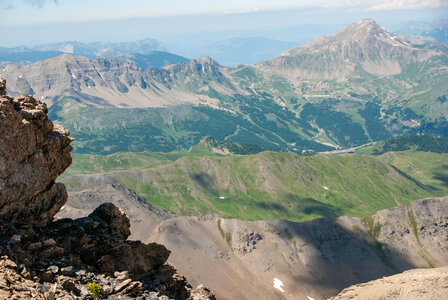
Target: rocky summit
[44, 258]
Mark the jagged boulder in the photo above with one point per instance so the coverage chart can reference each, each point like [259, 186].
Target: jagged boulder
[33, 153]
[97, 242]
[137, 258]
[115, 218]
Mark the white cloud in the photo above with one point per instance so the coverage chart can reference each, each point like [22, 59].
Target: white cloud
[377, 5]
[405, 4]
[39, 3]
[241, 11]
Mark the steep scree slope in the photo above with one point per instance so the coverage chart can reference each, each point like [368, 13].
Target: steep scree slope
[240, 259]
[414, 284]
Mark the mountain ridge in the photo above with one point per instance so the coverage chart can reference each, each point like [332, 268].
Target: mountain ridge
[365, 85]
[267, 185]
[360, 43]
[437, 29]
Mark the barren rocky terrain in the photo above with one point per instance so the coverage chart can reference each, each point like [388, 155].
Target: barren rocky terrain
[241, 260]
[424, 284]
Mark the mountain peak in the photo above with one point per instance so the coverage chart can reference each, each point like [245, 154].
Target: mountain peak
[207, 59]
[367, 21]
[365, 44]
[368, 26]
[365, 29]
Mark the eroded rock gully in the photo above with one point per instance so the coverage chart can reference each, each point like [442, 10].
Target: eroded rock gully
[43, 258]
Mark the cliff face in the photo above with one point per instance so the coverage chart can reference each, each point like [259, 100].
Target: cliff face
[33, 152]
[43, 258]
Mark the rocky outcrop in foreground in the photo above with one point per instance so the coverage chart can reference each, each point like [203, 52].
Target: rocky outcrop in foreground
[43, 258]
[33, 153]
[422, 284]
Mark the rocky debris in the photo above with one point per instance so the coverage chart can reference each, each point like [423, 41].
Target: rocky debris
[202, 293]
[43, 258]
[15, 284]
[98, 241]
[414, 284]
[33, 153]
[247, 242]
[71, 253]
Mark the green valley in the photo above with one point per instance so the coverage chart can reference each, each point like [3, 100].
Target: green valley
[269, 185]
[107, 130]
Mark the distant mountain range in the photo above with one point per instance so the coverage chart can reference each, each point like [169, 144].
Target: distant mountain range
[153, 58]
[97, 48]
[239, 50]
[437, 29]
[145, 53]
[359, 84]
[150, 52]
[25, 55]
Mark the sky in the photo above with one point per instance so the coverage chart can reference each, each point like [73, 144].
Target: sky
[32, 22]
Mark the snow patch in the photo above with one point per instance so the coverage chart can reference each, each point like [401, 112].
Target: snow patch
[278, 284]
[309, 298]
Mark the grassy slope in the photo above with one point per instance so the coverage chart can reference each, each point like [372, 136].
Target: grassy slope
[426, 143]
[431, 169]
[273, 185]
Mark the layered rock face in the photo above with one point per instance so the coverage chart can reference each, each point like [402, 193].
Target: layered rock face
[43, 258]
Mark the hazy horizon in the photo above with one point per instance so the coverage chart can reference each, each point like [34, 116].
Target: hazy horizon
[177, 24]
